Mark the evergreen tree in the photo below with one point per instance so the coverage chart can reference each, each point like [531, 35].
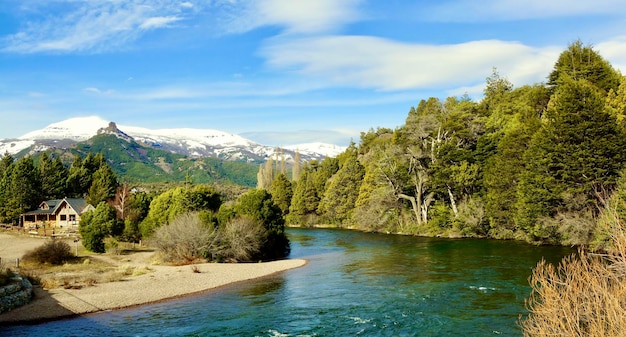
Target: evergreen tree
[96, 225]
[511, 125]
[103, 186]
[23, 190]
[580, 62]
[6, 164]
[78, 179]
[53, 177]
[258, 205]
[305, 199]
[578, 147]
[202, 198]
[339, 199]
[282, 192]
[322, 173]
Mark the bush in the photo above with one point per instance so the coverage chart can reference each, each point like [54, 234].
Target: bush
[241, 240]
[184, 240]
[586, 294]
[53, 251]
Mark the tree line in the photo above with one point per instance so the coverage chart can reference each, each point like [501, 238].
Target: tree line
[26, 182]
[248, 227]
[522, 163]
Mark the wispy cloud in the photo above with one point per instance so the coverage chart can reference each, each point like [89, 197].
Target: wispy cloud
[92, 26]
[295, 17]
[159, 22]
[372, 62]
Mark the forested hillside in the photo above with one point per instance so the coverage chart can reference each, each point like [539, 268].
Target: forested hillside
[532, 163]
[135, 163]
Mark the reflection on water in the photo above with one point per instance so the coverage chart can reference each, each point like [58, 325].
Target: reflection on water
[355, 284]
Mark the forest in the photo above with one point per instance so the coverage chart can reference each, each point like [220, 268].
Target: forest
[533, 163]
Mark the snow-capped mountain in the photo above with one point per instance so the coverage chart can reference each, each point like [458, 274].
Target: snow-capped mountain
[186, 141]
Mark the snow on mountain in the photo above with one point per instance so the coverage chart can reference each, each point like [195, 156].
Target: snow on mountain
[186, 141]
[316, 149]
[78, 129]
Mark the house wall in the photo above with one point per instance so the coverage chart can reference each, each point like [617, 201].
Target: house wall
[66, 216]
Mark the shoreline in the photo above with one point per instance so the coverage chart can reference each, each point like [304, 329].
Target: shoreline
[162, 284]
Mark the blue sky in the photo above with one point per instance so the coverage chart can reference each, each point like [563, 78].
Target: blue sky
[279, 72]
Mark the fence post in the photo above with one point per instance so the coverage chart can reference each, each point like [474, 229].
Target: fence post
[17, 262]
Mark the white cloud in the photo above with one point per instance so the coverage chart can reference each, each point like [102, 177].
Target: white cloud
[158, 22]
[615, 51]
[92, 26]
[372, 62]
[94, 90]
[294, 16]
[502, 10]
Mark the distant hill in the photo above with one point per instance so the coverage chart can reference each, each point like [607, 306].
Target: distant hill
[133, 162]
[193, 143]
[167, 155]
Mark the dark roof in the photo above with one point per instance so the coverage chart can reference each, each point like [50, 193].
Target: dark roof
[78, 204]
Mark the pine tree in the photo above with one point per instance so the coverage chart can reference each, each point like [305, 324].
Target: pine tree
[340, 196]
[23, 190]
[53, 177]
[579, 147]
[282, 192]
[580, 62]
[103, 187]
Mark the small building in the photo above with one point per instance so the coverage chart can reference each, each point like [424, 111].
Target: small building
[57, 213]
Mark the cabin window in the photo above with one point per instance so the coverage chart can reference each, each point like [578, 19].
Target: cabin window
[72, 217]
[63, 217]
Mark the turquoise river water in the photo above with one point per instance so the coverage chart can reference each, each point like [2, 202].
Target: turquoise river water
[355, 284]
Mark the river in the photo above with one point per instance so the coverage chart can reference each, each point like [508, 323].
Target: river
[355, 284]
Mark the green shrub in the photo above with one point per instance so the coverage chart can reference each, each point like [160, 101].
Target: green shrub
[53, 251]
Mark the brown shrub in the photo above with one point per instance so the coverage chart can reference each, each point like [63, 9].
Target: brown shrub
[184, 240]
[53, 251]
[585, 295]
[240, 240]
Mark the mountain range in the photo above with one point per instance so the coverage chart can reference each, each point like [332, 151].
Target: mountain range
[189, 142]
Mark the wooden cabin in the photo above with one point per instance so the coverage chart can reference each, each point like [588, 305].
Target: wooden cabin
[59, 213]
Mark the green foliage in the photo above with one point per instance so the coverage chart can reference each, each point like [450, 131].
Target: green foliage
[53, 177]
[581, 62]
[305, 198]
[103, 186]
[22, 189]
[340, 196]
[53, 251]
[96, 225]
[616, 102]
[168, 205]
[259, 206]
[282, 192]
[579, 146]
[133, 162]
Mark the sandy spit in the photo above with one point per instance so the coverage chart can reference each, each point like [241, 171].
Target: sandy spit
[161, 283]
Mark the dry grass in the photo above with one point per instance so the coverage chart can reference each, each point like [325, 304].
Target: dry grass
[585, 295]
[81, 272]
